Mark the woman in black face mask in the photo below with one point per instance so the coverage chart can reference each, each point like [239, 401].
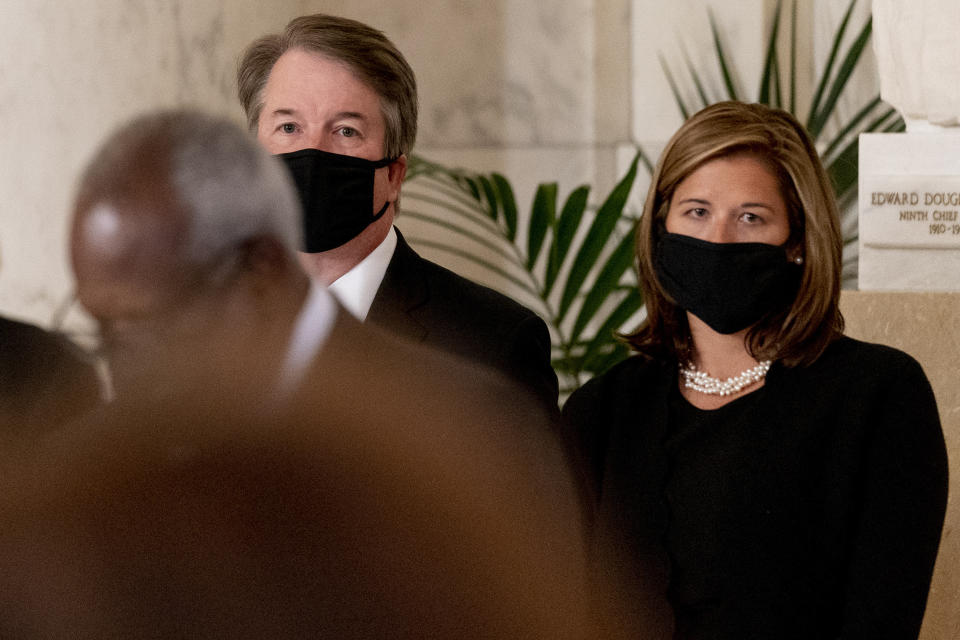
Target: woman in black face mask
[756, 474]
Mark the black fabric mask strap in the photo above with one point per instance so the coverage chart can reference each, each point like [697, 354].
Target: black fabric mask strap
[385, 162]
[380, 213]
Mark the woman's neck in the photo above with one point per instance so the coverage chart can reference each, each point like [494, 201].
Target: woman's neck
[719, 355]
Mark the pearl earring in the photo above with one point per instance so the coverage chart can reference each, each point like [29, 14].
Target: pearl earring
[798, 259]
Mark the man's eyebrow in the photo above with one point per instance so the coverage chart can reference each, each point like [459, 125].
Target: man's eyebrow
[354, 115]
[283, 112]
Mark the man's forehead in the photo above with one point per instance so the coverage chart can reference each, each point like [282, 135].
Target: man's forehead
[116, 229]
[103, 230]
[302, 79]
[121, 253]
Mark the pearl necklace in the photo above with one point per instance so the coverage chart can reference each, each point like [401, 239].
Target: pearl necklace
[703, 382]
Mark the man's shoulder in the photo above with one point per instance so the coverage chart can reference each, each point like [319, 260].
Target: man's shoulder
[46, 378]
[431, 304]
[456, 288]
[457, 294]
[26, 345]
[16, 333]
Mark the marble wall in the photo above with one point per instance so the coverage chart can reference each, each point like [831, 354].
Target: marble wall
[556, 90]
[69, 73]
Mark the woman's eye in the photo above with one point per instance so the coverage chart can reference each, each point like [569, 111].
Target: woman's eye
[751, 218]
[698, 212]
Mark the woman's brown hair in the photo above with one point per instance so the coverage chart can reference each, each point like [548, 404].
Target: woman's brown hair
[797, 334]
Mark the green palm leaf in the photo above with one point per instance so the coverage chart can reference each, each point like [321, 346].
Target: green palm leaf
[542, 214]
[840, 82]
[769, 75]
[488, 202]
[597, 236]
[722, 59]
[605, 283]
[704, 100]
[828, 69]
[564, 232]
[508, 205]
[632, 302]
[490, 196]
[674, 89]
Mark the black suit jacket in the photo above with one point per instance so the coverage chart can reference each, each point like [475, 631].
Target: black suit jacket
[429, 304]
[44, 379]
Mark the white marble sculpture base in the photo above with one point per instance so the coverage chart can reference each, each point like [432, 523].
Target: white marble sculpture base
[909, 206]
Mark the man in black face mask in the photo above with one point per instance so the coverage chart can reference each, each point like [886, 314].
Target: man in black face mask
[337, 102]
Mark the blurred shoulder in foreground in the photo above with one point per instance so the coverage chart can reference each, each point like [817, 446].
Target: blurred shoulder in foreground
[421, 513]
[44, 379]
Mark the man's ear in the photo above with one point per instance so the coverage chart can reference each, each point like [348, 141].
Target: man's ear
[396, 172]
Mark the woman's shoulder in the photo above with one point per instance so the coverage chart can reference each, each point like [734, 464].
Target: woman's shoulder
[852, 368]
[866, 357]
[628, 371]
[620, 382]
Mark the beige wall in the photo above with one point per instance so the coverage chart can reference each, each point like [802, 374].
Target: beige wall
[925, 325]
[69, 73]
[557, 90]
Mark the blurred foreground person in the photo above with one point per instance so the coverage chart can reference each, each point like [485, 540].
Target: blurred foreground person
[757, 473]
[44, 381]
[182, 249]
[260, 475]
[417, 515]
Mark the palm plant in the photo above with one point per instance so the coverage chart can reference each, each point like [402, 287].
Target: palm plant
[551, 264]
[839, 145]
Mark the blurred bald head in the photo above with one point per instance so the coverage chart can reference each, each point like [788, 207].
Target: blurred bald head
[182, 224]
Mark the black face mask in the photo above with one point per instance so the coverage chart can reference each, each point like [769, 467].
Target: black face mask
[336, 192]
[730, 286]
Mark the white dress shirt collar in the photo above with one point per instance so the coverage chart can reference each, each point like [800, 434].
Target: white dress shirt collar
[310, 331]
[357, 288]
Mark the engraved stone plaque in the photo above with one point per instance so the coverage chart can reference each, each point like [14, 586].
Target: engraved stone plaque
[920, 212]
[909, 205]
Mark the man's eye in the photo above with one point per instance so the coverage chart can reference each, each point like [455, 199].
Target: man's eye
[288, 127]
[348, 132]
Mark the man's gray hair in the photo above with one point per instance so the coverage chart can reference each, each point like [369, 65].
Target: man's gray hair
[227, 188]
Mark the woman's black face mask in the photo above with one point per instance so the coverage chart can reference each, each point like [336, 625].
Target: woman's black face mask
[730, 286]
[336, 192]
